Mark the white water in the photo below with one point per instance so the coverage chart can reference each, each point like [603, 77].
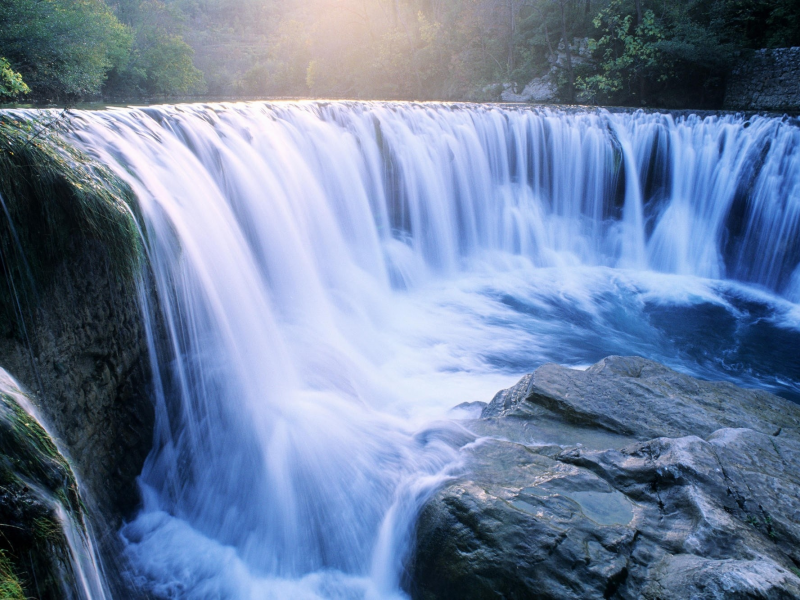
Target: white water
[333, 277]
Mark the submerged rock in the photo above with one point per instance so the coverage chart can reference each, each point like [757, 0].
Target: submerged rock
[627, 480]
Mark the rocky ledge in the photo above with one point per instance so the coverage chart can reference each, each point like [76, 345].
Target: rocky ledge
[627, 480]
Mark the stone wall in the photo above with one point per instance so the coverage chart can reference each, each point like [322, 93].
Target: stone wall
[769, 80]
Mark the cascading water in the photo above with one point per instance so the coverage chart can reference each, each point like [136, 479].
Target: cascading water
[334, 276]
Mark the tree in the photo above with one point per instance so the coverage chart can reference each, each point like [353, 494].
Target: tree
[168, 65]
[62, 48]
[160, 61]
[628, 54]
[562, 4]
[11, 84]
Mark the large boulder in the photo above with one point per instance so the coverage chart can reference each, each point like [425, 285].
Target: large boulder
[71, 327]
[627, 480]
[72, 332]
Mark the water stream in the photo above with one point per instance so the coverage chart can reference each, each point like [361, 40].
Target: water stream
[334, 277]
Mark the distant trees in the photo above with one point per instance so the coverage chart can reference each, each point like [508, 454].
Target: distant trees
[11, 83]
[662, 52]
[158, 61]
[62, 48]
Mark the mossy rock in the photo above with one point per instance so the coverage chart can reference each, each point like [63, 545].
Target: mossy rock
[53, 200]
[34, 480]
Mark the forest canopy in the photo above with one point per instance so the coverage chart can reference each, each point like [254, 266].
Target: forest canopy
[635, 52]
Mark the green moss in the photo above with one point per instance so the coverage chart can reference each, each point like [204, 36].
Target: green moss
[29, 451]
[46, 529]
[34, 479]
[10, 586]
[53, 200]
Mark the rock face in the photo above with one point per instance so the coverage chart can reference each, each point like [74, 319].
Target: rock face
[39, 509]
[70, 325]
[627, 480]
[767, 80]
[542, 89]
[71, 332]
[86, 361]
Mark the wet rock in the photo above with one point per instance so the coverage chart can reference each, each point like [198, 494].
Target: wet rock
[627, 480]
[70, 323]
[71, 330]
[85, 361]
[39, 500]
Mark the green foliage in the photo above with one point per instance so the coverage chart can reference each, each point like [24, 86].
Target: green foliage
[753, 23]
[62, 48]
[160, 62]
[627, 53]
[10, 587]
[11, 84]
[168, 65]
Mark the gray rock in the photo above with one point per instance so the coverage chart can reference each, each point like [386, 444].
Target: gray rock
[640, 398]
[541, 89]
[467, 410]
[627, 480]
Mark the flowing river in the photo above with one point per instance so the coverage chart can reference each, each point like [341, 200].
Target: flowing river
[332, 278]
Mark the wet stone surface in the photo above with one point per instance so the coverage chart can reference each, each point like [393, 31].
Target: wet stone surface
[627, 480]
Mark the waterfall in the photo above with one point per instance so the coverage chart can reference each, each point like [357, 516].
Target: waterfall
[333, 277]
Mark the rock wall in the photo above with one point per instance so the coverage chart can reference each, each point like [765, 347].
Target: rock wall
[85, 360]
[767, 80]
[71, 331]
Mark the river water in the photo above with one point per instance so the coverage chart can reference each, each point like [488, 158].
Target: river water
[334, 277]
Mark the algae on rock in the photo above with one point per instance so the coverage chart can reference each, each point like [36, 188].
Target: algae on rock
[71, 330]
[40, 510]
[54, 200]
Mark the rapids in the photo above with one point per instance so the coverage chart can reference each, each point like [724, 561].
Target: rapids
[334, 277]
